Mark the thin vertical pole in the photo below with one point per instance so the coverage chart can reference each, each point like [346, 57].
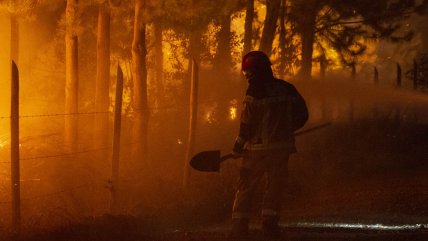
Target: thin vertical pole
[71, 94]
[415, 75]
[14, 150]
[398, 111]
[116, 141]
[323, 65]
[415, 85]
[353, 71]
[376, 76]
[376, 82]
[398, 75]
[351, 103]
[192, 121]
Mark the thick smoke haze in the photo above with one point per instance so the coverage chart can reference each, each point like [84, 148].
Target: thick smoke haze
[377, 133]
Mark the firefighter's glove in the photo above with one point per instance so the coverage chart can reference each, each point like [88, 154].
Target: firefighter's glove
[238, 147]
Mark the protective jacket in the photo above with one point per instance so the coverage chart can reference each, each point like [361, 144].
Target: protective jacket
[272, 111]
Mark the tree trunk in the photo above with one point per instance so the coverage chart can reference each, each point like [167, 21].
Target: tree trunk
[269, 27]
[158, 58]
[71, 77]
[308, 36]
[14, 38]
[195, 46]
[248, 35]
[222, 66]
[139, 53]
[223, 59]
[103, 77]
[307, 31]
[282, 38]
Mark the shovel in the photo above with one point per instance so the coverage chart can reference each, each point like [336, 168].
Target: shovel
[209, 161]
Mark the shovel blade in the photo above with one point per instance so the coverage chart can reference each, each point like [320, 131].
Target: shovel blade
[206, 161]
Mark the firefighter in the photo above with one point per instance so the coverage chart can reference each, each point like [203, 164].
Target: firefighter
[272, 110]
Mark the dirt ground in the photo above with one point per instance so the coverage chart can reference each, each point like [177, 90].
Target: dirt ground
[352, 193]
[390, 200]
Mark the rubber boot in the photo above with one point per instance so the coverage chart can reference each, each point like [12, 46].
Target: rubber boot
[239, 229]
[270, 227]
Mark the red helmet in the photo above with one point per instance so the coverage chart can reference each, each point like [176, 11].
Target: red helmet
[255, 60]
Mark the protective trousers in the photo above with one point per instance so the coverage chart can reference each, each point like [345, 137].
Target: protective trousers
[272, 164]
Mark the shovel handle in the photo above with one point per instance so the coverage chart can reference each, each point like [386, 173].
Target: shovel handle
[311, 129]
[230, 155]
[225, 157]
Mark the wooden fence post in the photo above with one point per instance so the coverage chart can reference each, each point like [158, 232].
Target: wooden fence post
[71, 95]
[351, 101]
[397, 108]
[415, 75]
[14, 150]
[376, 82]
[192, 120]
[116, 142]
[323, 66]
[398, 75]
[376, 76]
